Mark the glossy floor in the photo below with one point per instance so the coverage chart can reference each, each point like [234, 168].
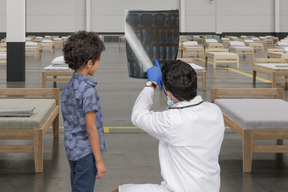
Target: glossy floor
[132, 154]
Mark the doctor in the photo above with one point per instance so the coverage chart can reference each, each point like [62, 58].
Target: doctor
[190, 132]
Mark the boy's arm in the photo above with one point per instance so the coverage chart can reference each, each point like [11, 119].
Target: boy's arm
[94, 142]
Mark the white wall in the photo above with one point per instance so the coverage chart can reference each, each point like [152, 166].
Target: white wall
[16, 16]
[2, 15]
[248, 16]
[200, 16]
[55, 15]
[108, 15]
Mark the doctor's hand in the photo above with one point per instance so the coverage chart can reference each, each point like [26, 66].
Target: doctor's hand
[154, 74]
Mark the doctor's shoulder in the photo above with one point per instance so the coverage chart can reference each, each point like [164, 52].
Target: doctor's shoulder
[213, 106]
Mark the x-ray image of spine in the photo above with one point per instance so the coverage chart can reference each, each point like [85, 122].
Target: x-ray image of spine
[150, 35]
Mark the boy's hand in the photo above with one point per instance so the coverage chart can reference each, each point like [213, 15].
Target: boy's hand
[101, 169]
[154, 74]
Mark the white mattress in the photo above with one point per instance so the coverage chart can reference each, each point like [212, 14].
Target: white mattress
[57, 68]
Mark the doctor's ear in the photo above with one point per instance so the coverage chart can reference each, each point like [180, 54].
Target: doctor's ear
[169, 94]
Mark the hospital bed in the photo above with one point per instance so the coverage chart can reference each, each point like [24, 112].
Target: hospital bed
[254, 114]
[14, 127]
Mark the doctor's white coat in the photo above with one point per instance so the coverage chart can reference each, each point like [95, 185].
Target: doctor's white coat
[189, 144]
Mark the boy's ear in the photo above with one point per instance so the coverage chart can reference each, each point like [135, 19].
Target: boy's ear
[89, 63]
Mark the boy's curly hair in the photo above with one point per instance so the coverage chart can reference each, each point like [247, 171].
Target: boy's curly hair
[81, 47]
[180, 79]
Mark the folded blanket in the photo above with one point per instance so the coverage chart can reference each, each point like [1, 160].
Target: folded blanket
[19, 112]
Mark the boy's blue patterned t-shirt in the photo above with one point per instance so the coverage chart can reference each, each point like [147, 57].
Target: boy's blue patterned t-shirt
[78, 98]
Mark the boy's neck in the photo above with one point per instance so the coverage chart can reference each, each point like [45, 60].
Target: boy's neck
[82, 71]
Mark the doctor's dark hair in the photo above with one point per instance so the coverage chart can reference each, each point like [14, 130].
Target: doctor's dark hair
[81, 47]
[180, 79]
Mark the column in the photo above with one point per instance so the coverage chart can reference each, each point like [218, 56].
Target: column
[16, 29]
[88, 15]
[182, 16]
[218, 17]
[277, 16]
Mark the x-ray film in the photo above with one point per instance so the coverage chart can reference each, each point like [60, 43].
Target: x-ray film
[150, 35]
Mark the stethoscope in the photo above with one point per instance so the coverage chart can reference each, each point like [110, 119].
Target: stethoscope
[186, 106]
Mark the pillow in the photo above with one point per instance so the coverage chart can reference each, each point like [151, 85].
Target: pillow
[190, 43]
[255, 38]
[31, 43]
[58, 60]
[225, 39]
[282, 43]
[46, 41]
[248, 41]
[236, 43]
[211, 41]
[196, 67]
[285, 49]
[57, 39]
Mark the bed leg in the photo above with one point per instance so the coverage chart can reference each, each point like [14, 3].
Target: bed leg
[54, 81]
[38, 150]
[56, 127]
[279, 141]
[286, 83]
[273, 80]
[247, 144]
[204, 81]
[254, 77]
[214, 63]
[237, 62]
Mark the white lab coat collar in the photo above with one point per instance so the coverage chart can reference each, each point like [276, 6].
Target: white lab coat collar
[194, 101]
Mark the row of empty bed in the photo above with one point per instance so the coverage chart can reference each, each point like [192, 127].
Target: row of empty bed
[268, 127]
[34, 45]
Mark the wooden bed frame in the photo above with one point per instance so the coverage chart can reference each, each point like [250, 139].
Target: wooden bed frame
[244, 52]
[187, 51]
[36, 51]
[271, 50]
[51, 76]
[275, 74]
[35, 134]
[249, 135]
[221, 58]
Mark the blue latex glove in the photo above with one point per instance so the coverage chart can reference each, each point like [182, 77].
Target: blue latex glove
[154, 74]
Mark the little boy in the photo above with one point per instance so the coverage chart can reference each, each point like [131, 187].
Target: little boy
[81, 110]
